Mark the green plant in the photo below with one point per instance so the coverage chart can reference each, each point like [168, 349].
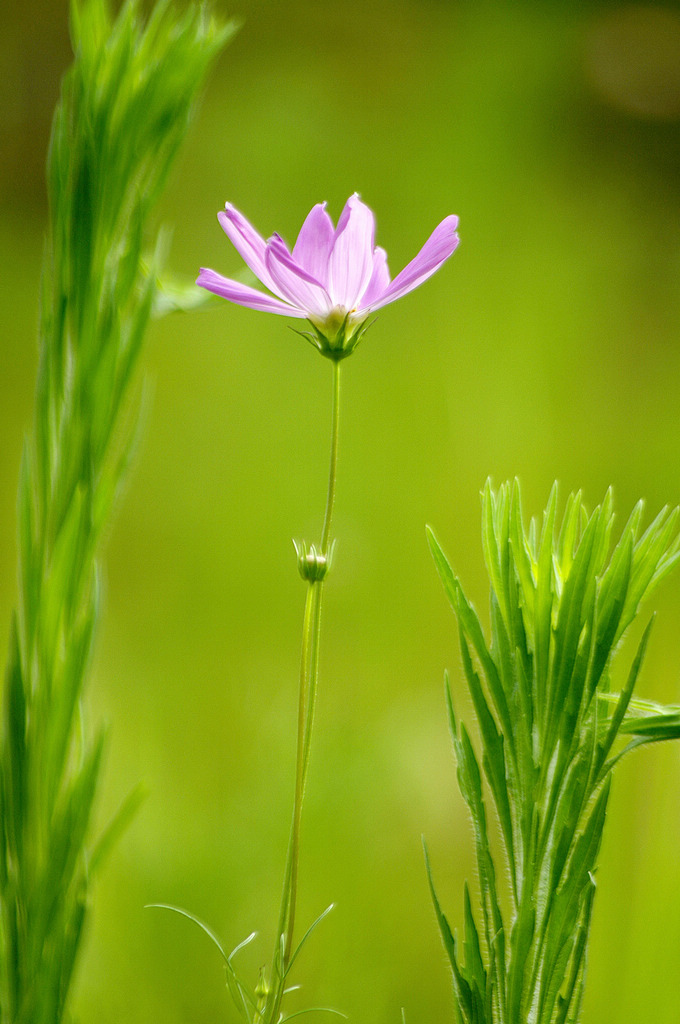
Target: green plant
[124, 110]
[560, 603]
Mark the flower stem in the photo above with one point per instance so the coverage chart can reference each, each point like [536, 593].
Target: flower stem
[334, 458]
[308, 681]
[309, 673]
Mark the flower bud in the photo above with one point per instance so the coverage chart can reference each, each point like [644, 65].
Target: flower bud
[261, 990]
[312, 564]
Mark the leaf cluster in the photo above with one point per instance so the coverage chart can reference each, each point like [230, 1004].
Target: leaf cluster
[561, 598]
[261, 1004]
[123, 112]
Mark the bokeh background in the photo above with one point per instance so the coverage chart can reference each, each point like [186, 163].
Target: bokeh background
[547, 348]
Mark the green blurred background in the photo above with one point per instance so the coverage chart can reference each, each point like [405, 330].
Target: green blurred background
[547, 348]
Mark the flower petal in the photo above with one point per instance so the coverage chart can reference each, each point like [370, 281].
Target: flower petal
[440, 245]
[380, 279]
[248, 243]
[351, 260]
[293, 282]
[243, 295]
[314, 243]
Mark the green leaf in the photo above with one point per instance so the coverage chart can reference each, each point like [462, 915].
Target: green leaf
[521, 938]
[610, 603]
[617, 723]
[493, 510]
[543, 608]
[571, 1000]
[568, 538]
[469, 622]
[461, 987]
[313, 1009]
[566, 901]
[494, 756]
[573, 616]
[474, 966]
[313, 926]
[243, 996]
[117, 827]
[654, 728]
[654, 556]
[14, 755]
[522, 558]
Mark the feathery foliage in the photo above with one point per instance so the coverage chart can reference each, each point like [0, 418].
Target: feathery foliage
[560, 603]
[123, 112]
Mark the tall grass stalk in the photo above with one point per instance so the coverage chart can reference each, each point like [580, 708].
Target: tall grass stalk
[561, 599]
[124, 110]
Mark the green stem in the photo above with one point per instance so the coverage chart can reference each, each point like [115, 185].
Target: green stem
[308, 681]
[334, 458]
[309, 673]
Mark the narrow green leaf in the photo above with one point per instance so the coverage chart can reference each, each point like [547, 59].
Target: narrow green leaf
[470, 783]
[474, 965]
[453, 728]
[617, 723]
[566, 902]
[313, 1009]
[490, 541]
[523, 561]
[69, 944]
[574, 793]
[494, 756]
[117, 827]
[571, 619]
[543, 608]
[648, 556]
[609, 608]
[243, 997]
[571, 1000]
[654, 727]
[63, 709]
[521, 939]
[307, 934]
[568, 538]
[467, 618]
[70, 821]
[14, 760]
[461, 987]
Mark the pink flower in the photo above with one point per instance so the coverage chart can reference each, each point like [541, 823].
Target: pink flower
[334, 277]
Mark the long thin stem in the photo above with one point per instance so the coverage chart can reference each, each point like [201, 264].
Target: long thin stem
[309, 672]
[334, 459]
[308, 679]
